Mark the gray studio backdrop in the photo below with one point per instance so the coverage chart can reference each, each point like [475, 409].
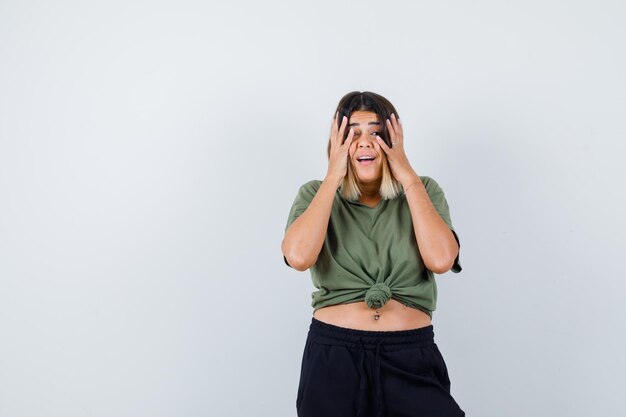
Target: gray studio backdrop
[150, 152]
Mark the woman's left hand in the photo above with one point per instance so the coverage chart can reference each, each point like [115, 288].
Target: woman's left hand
[398, 162]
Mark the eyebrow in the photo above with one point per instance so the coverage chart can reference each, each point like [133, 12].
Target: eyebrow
[369, 124]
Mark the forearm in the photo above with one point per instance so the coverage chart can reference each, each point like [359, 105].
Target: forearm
[304, 238]
[435, 240]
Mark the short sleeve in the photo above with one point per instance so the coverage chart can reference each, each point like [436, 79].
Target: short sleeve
[301, 202]
[438, 198]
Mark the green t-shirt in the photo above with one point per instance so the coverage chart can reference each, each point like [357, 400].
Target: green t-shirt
[371, 254]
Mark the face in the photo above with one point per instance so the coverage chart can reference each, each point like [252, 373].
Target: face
[366, 126]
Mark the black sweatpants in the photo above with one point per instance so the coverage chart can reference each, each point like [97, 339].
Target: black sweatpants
[358, 373]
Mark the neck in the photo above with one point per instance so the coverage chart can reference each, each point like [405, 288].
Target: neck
[370, 192]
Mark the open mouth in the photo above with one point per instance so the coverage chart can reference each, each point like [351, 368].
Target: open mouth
[366, 160]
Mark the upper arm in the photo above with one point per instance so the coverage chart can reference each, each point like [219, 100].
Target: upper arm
[303, 198]
[438, 198]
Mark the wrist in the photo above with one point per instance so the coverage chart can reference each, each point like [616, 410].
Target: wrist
[409, 179]
[412, 185]
[333, 180]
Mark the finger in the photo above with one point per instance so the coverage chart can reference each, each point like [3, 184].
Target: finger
[336, 135]
[342, 129]
[382, 144]
[349, 138]
[392, 132]
[334, 128]
[397, 127]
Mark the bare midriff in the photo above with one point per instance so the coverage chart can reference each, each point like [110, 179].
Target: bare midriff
[358, 315]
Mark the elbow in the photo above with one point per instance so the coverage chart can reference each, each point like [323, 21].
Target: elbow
[440, 268]
[295, 259]
[444, 266]
[446, 261]
[298, 263]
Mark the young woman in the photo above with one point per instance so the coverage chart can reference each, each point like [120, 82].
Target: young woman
[372, 233]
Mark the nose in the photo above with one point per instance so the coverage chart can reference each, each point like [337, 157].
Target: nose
[365, 141]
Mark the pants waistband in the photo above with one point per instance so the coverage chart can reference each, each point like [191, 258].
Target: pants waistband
[422, 336]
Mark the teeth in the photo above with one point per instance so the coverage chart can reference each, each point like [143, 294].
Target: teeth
[366, 158]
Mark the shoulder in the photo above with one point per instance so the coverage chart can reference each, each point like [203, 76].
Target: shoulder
[308, 190]
[430, 184]
[311, 185]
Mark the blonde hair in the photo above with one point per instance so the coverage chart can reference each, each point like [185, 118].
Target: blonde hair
[390, 188]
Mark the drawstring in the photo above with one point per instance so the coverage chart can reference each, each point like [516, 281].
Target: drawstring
[377, 378]
[362, 379]
[363, 384]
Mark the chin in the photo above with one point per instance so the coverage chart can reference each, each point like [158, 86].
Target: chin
[367, 174]
[365, 179]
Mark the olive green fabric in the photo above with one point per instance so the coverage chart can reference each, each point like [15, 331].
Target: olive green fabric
[371, 254]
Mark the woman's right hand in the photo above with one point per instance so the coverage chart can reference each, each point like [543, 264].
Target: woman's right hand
[338, 159]
[305, 237]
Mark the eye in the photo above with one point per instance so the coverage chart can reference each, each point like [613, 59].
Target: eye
[375, 133]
